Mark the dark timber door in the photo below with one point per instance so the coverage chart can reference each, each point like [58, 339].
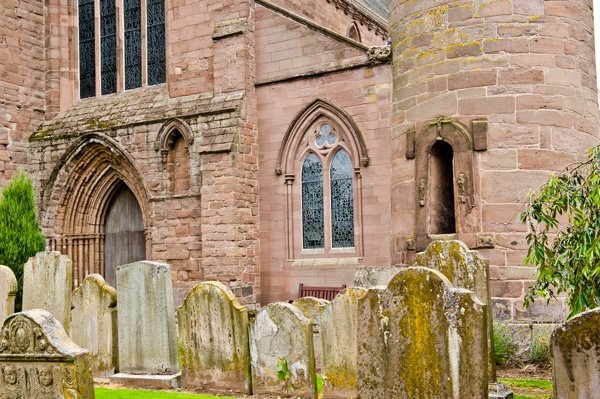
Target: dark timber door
[124, 240]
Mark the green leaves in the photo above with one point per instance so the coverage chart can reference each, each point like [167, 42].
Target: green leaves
[567, 255]
[284, 375]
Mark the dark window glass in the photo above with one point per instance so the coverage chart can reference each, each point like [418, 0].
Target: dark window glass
[156, 42]
[108, 46]
[87, 49]
[133, 44]
[342, 201]
[313, 232]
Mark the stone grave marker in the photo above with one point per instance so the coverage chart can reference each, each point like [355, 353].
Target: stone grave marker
[213, 336]
[422, 338]
[8, 292]
[47, 284]
[575, 347]
[281, 336]
[312, 308]
[94, 323]
[372, 276]
[146, 326]
[39, 361]
[339, 326]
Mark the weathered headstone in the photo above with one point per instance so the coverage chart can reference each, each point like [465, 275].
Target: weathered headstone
[281, 336]
[47, 284]
[146, 325]
[213, 336]
[422, 338]
[339, 325]
[575, 347]
[372, 276]
[8, 292]
[312, 308]
[39, 361]
[94, 323]
[465, 269]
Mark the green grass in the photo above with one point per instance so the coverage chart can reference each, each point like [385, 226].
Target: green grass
[109, 393]
[535, 389]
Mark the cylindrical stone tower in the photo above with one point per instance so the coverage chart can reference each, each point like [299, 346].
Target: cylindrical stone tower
[489, 97]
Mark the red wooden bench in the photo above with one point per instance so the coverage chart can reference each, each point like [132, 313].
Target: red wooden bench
[319, 292]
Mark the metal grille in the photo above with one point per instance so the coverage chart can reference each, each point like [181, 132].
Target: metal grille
[108, 46]
[156, 42]
[313, 232]
[133, 44]
[342, 201]
[87, 49]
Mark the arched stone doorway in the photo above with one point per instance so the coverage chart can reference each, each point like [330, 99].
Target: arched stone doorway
[124, 240]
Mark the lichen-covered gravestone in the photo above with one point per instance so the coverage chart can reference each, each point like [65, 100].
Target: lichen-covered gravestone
[39, 361]
[146, 325]
[281, 336]
[312, 308]
[372, 276]
[47, 284]
[422, 338]
[94, 323]
[8, 292]
[339, 323]
[465, 269]
[575, 347]
[213, 336]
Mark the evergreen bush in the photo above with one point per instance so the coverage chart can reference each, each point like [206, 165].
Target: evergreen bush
[20, 236]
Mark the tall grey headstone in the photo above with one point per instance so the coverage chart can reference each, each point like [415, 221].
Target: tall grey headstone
[146, 325]
[281, 334]
[340, 345]
[94, 323]
[8, 292]
[575, 347]
[39, 361]
[47, 284]
[422, 338]
[312, 308]
[213, 336]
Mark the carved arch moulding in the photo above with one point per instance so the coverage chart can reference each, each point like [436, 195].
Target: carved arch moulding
[444, 153]
[166, 131]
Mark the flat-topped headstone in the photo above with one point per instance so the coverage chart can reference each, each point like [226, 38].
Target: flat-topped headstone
[47, 284]
[575, 347]
[213, 337]
[422, 338]
[312, 308]
[39, 361]
[8, 292]
[280, 334]
[94, 323]
[374, 276]
[146, 324]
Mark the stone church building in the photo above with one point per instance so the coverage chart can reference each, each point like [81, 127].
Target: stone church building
[268, 143]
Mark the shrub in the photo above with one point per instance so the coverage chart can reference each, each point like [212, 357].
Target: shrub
[20, 235]
[505, 344]
[539, 351]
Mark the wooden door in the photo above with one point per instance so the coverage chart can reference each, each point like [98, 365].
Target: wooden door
[124, 240]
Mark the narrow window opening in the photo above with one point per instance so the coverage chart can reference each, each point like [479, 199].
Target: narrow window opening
[156, 42]
[87, 49]
[342, 201]
[353, 33]
[133, 44]
[442, 216]
[108, 46]
[313, 216]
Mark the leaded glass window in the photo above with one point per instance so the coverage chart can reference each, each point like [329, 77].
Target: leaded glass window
[156, 42]
[342, 201]
[133, 44]
[87, 49]
[108, 46]
[313, 218]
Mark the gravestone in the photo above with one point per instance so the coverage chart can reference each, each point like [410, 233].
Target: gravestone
[575, 347]
[339, 323]
[281, 336]
[146, 324]
[312, 308]
[213, 336]
[39, 361]
[94, 323]
[372, 276]
[8, 292]
[465, 269]
[47, 284]
[422, 338]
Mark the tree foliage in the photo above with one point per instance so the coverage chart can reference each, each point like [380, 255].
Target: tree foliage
[20, 235]
[563, 217]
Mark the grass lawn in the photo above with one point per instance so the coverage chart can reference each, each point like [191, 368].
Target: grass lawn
[529, 389]
[113, 393]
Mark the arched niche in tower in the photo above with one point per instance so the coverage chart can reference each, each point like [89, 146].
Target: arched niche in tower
[174, 139]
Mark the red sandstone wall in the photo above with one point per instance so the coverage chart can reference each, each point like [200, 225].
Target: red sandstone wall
[525, 66]
[21, 80]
